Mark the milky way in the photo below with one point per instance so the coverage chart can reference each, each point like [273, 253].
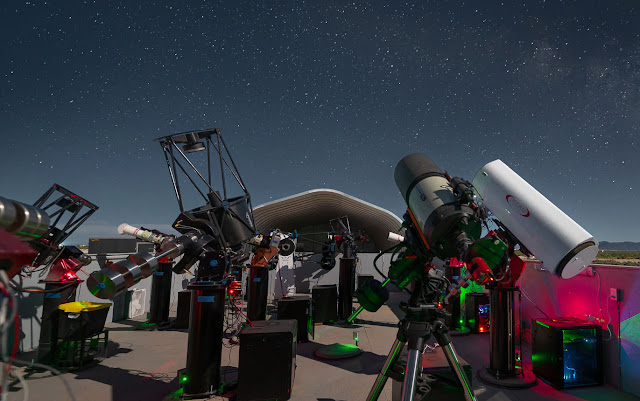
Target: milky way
[323, 94]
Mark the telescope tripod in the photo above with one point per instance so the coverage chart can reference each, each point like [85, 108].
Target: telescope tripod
[414, 330]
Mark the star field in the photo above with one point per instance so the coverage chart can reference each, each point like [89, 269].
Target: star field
[323, 94]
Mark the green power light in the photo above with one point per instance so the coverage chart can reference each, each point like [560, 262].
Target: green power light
[183, 379]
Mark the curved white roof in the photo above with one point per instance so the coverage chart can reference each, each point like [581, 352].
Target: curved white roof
[318, 206]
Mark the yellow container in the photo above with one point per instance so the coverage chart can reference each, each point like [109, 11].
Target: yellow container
[82, 306]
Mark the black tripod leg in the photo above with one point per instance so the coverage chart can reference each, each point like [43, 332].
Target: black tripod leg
[381, 380]
[441, 333]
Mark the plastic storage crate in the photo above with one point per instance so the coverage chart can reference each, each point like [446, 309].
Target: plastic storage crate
[80, 320]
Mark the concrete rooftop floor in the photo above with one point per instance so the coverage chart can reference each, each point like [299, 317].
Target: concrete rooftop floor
[142, 365]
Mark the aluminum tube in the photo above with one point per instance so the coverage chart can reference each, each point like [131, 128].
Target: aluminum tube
[23, 221]
[111, 281]
[381, 380]
[412, 371]
[147, 262]
[452, 357]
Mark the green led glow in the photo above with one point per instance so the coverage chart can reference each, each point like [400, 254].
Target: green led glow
[542, 324]
[183, 379]
[29, 234]
[518, 367]
[379, 384]
[356, 313]
[464, 377]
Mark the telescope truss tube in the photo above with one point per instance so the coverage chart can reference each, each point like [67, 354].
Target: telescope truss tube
[561, 244]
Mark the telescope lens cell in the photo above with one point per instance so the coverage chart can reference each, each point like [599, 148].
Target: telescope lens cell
[106, 283]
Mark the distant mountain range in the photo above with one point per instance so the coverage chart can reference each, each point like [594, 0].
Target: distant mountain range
[619, 246]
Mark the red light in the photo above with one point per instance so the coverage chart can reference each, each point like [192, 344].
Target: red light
[337, 237]
[481, 329]
[68, 277]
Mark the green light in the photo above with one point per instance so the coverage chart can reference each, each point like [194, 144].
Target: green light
[32, 235]
[183, 379]
[541, 324]
[356, 313]
[464, 377]
[396, 351]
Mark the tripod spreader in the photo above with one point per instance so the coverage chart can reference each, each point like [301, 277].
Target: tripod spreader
[419, 324]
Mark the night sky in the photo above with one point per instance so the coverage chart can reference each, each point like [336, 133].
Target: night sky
[322, 94]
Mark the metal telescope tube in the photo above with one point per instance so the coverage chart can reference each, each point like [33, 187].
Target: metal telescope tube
[24, 222]
[114, 279]
[444, 222]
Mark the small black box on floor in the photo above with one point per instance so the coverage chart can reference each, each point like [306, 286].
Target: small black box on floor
[325, 303]
[184, 308]
[362, 279]
[297, 307]
[477, 312]
[267, 361]
[566, 352]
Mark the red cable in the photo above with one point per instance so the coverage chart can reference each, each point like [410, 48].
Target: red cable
[28, 275]
[243, 315]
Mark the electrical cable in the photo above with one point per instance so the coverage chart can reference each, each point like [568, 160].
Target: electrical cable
[43, 291]
[534, 304]
[599, 306]
[243, 315]
[608, 323]
[53, 370]
[25, 385]
[379, 255]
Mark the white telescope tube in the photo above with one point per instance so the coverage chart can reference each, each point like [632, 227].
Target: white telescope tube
[139, 233]
[560, 243]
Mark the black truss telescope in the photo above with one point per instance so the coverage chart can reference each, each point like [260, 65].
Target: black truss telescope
[224, 216]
